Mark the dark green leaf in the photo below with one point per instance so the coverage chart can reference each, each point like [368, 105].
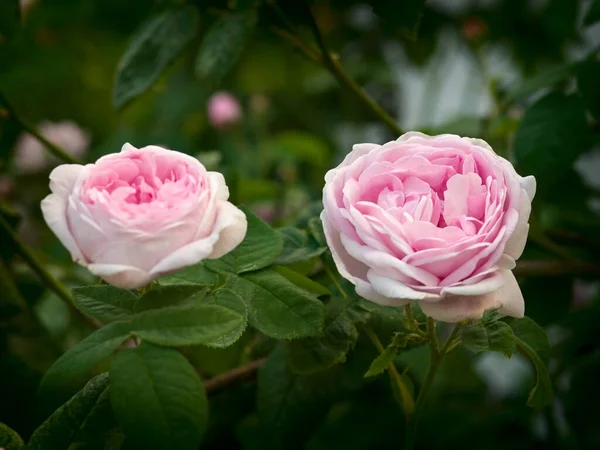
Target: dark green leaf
[593, 13]
[197, 274]
[550, 137]
[153, 47]
[86, 354]
[405, 16]
[193, 325]
[228, 299]
[260, 248]
[339, 336]
[543, 79]
[302, 281]
[85, 422]
[158, 398]
[297, 246]
[105, 303]
[277, 307]
[169, 296]
[9, 439]
[494, 336]
[315, 226]
[588, 85]
[383, 361]
[532, 334]
[222, 46]
[10, 18]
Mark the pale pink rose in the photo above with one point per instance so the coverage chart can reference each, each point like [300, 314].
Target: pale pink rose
[136, 215]
[437, 219]
[223, 110]
[32, 156]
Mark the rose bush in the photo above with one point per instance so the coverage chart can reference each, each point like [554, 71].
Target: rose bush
[437, 219]
[136, 215]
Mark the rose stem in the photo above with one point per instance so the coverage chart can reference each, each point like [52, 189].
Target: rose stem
[335, 68]
[52, 148]
[436, 355]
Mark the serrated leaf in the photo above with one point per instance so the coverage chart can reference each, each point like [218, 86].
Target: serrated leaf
[170, 296]
[260, 248]
[211, 325]
[593, 13]
[158, 398]
[105, 303]
[339, 336]
[228, 299]
[222, 46]
[532, 334]
[297, 246]
[10, 18]
[543, 79]
[383, 361]
[302, 281]
[197, 274]
[550, 137]
[10, 439]
[153, 47]
[86, 354]
[494, 336]
[278, 308]
[85, 422]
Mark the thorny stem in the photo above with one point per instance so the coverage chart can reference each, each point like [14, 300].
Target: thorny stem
[241, 373]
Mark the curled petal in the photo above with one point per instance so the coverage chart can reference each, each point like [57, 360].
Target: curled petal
[124, 277]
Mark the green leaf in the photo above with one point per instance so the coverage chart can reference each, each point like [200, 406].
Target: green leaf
[550, 137]
[544, 79]
[288, 402]
[302, 281]
[211, 325]
[86, 354]
[405, 16]
[170, 296]
[228, 299]
[10, 439]
[532, 341]
[494, 336]
[158, 398]
[260, 248]
[10, 18]
[153, 47]
[297, 246]
[222, 46]
[278, 308]
[85, 422]
[593, 13]
[105, 303]
[339, 336]
[588, 85]
[197, 274]
[383, 361]
[315, 226]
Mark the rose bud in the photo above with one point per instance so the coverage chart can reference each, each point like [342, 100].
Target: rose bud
[223, 110]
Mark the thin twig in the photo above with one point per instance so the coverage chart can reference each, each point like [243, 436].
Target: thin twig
[52, 148]
[242, 373]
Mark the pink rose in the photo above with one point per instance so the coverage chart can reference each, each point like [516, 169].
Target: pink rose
[223, 110]
[32, 156]
[437, 219]
[136, 215]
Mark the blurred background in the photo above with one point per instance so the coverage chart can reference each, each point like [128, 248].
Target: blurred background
[274, 124]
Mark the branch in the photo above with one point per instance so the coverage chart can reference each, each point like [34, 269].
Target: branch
[52, 148]
[243, 373]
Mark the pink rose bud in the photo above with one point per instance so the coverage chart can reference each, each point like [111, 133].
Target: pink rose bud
[223, 110]
[436, 219]
[32, 156]
[136, 215]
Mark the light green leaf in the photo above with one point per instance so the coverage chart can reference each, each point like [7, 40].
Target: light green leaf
[86, 354]
[278, 308]
[10, 18]
[494, 336]
[297, 246]
[105, 303]
[260, 248]
[153, 47]
[222, 46]
[193, 325]
[339, 336]
[383, 361]
[197, 274]
[85, 422]
[543, 79]
[302, 281]
[170, 296]
[10, 439]
[158, 398]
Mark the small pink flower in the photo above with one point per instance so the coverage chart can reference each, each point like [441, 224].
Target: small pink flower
[223, 110]
[31, 155]
[436, 219]
[136, 215]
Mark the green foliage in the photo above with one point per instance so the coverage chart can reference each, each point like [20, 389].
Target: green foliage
[587, 82]
[158, 398]
[297, 246]
[105, 303]
[10, 18]
[10, 439]
[302, 281]
[196, 274]
[153, 47]
[170, 295]
[593, 14]
[400, 341]
[494, 336]
[222, 46]
[543, 79]
[85, 422]
[260, 248]
[406, 15]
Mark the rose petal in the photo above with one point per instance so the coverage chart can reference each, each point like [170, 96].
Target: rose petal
[124, 277]
[54, 210]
